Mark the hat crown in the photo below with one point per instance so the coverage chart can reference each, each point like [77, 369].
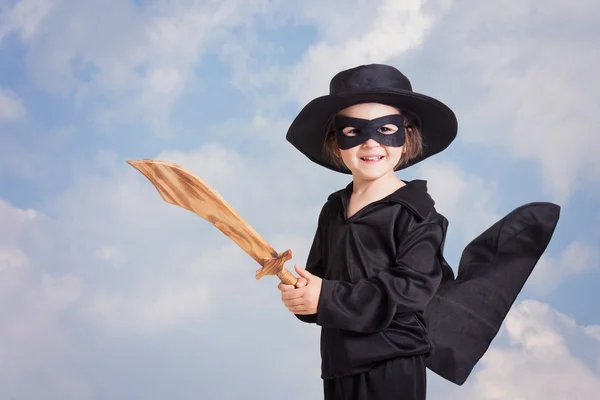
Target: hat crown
[369, 77]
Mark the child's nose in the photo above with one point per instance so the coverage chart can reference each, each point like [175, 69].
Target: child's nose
[371, 143]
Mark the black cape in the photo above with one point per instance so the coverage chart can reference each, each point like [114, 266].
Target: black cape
[467, 311]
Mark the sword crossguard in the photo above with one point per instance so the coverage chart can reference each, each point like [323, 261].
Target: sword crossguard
[274, 266]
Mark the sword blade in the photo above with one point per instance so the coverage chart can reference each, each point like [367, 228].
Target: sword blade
[179, 187]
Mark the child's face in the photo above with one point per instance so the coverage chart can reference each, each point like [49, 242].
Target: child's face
[359, 158]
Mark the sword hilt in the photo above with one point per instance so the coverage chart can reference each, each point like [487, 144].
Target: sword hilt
[275, 266]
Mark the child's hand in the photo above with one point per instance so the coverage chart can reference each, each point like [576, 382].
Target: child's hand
[300, 283]
[304, 297]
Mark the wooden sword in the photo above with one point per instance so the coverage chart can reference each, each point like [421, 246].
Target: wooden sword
[180, 187]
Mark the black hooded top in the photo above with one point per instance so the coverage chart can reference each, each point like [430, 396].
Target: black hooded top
[387, 290]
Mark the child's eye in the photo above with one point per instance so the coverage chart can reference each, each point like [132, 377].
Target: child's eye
[351, 131]
[388, 129]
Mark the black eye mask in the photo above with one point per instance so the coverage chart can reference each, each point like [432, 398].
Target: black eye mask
[369, 129]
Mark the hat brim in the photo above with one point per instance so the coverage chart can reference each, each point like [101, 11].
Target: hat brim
[438, 122]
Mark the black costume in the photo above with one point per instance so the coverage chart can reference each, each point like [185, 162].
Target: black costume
[371, 312]
[380, 269]
[390, 305]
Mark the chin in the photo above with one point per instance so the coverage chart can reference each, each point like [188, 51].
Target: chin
[373, 176]
[372, 173]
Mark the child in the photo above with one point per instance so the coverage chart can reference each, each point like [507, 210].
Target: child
[376, 280]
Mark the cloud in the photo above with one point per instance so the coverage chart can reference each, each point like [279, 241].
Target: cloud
[184, 282]
[11, 106]
[520, 87]
[593, 331]
[106, 273]
[520, 94]
[534, 84]
[153, 308]
[24, 17]
[127, 266]
[550, 357]
[575, 259]
[33, 154]
[388, 30]
[108, 260]
[110, 219]
[33, 302]
[472, 204]
[468, 201]
[393, 28]
[134, 69]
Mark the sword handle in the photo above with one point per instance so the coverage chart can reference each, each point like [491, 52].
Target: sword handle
[275, 266]
[286, 277]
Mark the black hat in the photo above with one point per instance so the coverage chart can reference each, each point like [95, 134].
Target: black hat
[374, 83]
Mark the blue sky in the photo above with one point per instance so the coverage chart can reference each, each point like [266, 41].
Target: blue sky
[108, 292]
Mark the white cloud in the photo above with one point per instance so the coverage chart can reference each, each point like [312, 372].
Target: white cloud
[113, 265]
[12, 259]
[219, 164]
[551, 357]
[576, 259]
[471, 205]
[11, 106]
[111, 254]
[17, 220]
[174, 271]
[33, 154]
[593, 331]
[33, 337]
[266, 184]
[155, 308]
[393, 28]
[23, 17]
[538, 83]
[468, 201]
[113, 220]
[140, 63]
[32, 301]
[349, 34]
[525, 85]
[174, 265]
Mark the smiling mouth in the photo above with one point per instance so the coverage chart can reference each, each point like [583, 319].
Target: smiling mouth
[375, 158]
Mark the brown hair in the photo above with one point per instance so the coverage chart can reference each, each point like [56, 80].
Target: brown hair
[413, 147]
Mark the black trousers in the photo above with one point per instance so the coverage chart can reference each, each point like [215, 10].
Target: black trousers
[402, 378]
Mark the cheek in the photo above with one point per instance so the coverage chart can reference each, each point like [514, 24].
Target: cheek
[348, 154]
[395, 152]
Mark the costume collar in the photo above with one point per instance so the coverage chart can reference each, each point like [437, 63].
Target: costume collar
[413, 195]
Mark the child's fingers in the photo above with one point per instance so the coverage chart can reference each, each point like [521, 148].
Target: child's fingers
[301, 282]
[293, 302]
[285, 288]
[301, 310]
[292, 294]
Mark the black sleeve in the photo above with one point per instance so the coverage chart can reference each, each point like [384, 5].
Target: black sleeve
[314, 263]
[369, 305]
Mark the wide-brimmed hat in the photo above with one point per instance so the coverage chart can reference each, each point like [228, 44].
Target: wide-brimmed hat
[373, 83]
